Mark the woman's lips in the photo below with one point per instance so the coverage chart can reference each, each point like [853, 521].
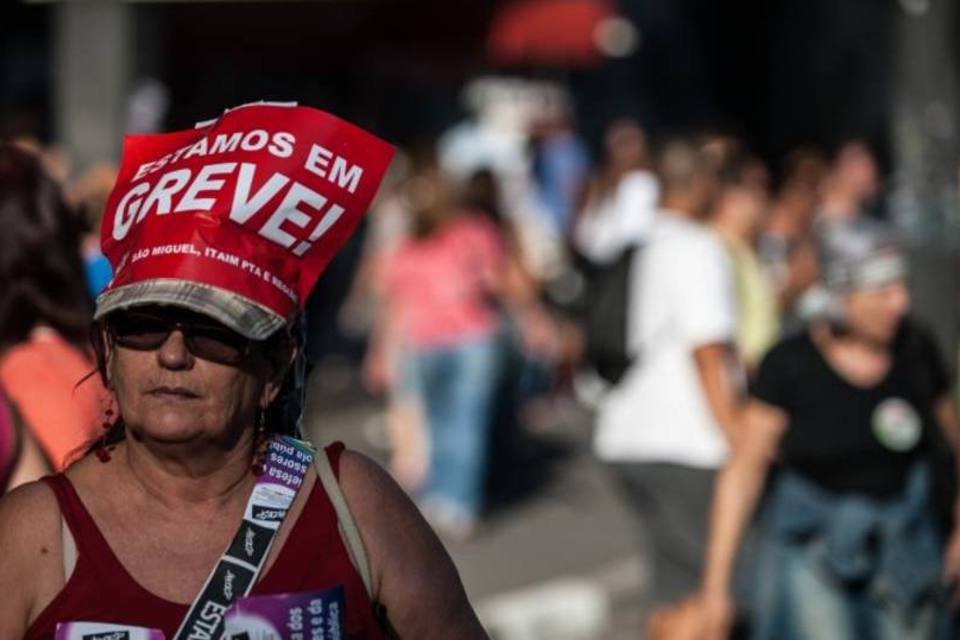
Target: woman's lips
[173, 392]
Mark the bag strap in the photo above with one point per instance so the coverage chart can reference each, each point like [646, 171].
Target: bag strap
[345, 522]
[284, 465]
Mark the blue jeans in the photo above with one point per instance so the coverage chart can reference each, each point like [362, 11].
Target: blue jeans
[457, 385]
[798, 599]
[845, 567]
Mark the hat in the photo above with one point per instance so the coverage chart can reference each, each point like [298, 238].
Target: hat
[858, 254]
[237, 218]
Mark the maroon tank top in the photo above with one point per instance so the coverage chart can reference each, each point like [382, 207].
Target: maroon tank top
[313, 558]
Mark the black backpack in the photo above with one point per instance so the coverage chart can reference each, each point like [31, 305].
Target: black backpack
[605, 317]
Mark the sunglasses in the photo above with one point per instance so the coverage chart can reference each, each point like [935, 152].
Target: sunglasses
[205, 339]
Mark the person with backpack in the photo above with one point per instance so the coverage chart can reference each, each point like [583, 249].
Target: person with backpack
[620, 201]
[664, 428]
[619, 206]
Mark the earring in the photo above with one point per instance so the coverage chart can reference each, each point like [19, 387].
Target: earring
[103, 451]
[259, 450]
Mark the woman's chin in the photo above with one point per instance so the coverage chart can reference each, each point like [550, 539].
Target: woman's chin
[172, 430]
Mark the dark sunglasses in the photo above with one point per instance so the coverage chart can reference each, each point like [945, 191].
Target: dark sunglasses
[206, 339]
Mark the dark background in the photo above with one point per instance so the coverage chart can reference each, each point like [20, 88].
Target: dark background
[779, 73]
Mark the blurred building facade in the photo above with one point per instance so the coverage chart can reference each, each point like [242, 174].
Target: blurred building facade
[777, 74]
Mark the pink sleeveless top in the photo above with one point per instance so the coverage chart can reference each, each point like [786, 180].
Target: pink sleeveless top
[313, 558]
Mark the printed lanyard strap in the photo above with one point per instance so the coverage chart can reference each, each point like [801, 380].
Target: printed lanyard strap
[286, 464]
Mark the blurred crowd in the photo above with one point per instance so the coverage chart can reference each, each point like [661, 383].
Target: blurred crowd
[741, 329]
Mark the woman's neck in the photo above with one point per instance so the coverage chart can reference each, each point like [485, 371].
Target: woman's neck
[863, 363]
[192, 475]
[839, 204]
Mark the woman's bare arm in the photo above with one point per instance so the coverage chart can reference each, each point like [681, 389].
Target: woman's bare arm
[31, 563]
[413, 577]
[716, 365]
[736, 493]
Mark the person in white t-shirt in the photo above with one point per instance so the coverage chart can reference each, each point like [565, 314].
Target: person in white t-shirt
[621, 199]
[665, 427]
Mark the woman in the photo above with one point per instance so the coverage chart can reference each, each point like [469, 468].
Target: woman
[853, 411]
[438, 287]
[129, 534]
[444, 289]
[45, 311]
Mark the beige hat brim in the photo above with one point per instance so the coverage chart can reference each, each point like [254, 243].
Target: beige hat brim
[246, 317]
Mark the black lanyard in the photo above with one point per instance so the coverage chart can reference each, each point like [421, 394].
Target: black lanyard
[285, 466]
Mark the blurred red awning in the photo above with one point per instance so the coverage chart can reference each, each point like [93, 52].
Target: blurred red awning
[548, 32]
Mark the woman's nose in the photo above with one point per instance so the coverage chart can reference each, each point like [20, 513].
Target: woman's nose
[173, 353]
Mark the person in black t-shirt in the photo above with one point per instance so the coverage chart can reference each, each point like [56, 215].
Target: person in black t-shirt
[852, 412]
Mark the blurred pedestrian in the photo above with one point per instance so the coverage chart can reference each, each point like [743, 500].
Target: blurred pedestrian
[665, 426]
[851, 183]
[851, 412]
[848, 192]
[621, 199]
[45, 311]
[786, 243]
[560, 161]
[443, 290]
[533, 332]
[737, 217]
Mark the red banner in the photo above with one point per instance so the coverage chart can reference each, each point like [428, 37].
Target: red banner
[256, 202]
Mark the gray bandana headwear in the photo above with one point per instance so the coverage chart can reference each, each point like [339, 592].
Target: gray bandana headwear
[858, 254]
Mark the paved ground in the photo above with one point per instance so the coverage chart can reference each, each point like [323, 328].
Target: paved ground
[558, 555]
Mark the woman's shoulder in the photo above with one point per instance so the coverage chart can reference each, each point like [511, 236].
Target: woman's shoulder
[391, 527]
[794, 353]
[795, 344]
[915, 338]
[364, 482]
[640, 180]
[28, 516]
[473, 224]
[919, 354]
[412, 574]
[30, 535]
[29, 507]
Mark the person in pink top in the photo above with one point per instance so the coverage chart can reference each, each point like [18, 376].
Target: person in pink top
[442, 284]
[443, 290]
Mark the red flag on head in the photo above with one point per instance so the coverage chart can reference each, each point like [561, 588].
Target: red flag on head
[239, 217]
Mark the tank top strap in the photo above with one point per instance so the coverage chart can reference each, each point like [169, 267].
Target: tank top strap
[334, 452]
[92, 548]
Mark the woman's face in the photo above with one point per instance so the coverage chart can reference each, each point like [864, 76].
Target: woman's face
[876, 313]
[171, 395]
